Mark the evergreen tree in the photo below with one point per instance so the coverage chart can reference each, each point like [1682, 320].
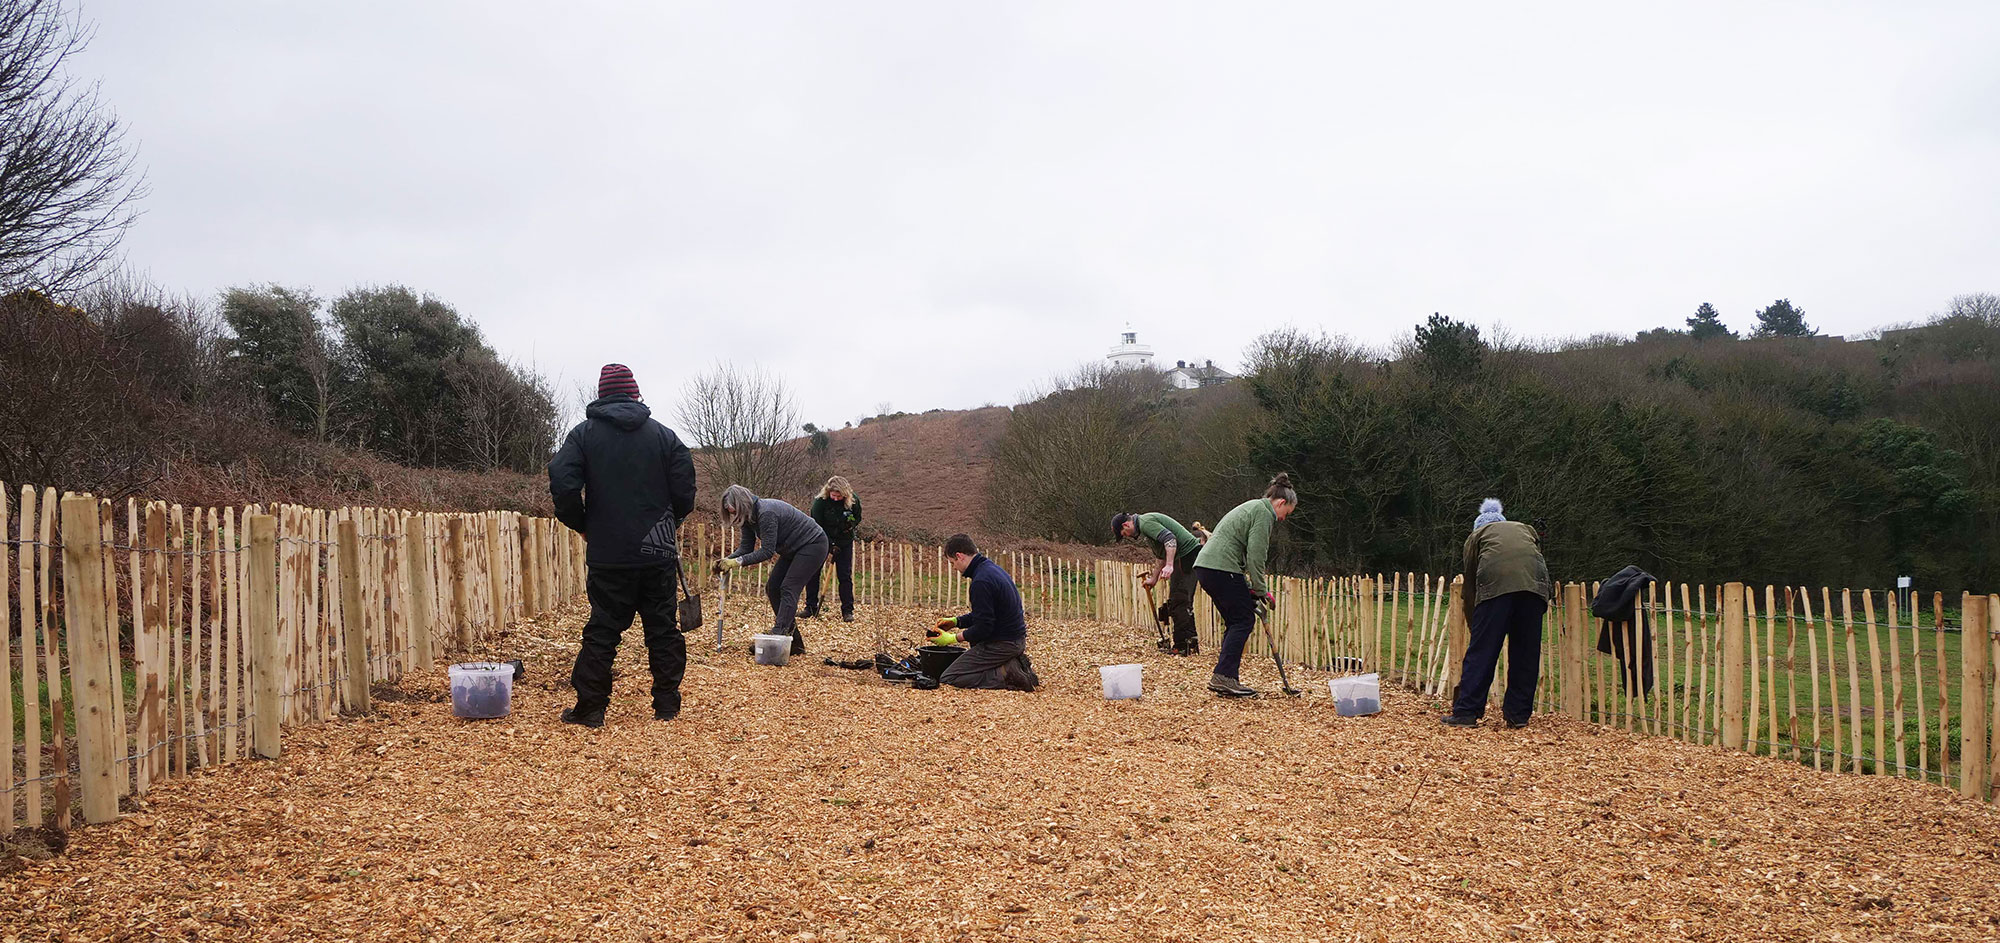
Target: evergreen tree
[283, 350]
[1781, 319]
[1449, 348]
[1706, 323]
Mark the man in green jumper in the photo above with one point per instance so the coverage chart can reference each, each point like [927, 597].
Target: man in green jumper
[1176, 548]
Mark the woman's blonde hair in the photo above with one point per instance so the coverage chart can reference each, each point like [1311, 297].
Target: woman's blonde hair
[837, 483]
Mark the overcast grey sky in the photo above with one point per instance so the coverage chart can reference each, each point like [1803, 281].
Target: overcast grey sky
[939, 204]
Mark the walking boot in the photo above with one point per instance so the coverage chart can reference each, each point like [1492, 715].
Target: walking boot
[592, 720]
[1019, 674]
[1454, 720]
[847, 616]
[1229, 687]
[798, 642]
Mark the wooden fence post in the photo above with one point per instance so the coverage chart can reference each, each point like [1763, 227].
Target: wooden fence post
[1458, 637]
[1975, 660]
[496, 572]
[1993, 695]
[353, 643]
[1732, 666]
[455, 557]
[417, 570]
[1366, 629]
[89, 657]
[1573, 647]
[531, 572]
[6, 670]
[261, 615]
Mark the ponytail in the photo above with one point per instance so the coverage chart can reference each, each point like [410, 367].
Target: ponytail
[1281, 489]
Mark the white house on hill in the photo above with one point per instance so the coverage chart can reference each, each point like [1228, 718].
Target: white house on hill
[1187, 376]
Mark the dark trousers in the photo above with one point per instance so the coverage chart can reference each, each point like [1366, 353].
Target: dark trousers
[615, 596]
[993, 666]
[1516, 620]
[1179, 609]
[789, 573]
[843, 570]
[1238, 608]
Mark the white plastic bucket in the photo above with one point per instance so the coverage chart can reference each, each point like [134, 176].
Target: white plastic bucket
[771, 649]
[481, 689]
[1121, 682]
[1356, 696]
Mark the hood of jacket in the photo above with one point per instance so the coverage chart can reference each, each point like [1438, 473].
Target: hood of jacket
[619, 410]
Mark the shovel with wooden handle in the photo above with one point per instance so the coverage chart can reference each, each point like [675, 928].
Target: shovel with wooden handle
[1158, 626]
[721, 611]
[1271, 640]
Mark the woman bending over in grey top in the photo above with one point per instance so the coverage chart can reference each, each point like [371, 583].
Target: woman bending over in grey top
[772, 528]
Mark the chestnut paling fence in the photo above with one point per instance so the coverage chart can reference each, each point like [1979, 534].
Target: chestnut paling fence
[1853, 681]
[149, 641]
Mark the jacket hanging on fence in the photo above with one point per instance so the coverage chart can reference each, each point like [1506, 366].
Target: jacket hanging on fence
[1616, 603]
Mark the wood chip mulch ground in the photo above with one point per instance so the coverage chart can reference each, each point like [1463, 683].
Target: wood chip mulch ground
[812, 803]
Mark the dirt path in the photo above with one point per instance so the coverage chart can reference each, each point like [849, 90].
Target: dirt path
[814, 803]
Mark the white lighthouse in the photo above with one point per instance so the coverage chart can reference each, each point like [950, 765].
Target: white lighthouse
[1129, 353]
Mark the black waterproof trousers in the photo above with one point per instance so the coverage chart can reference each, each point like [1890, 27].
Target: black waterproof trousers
[615, 596]
[843, 570]
[1514, 619]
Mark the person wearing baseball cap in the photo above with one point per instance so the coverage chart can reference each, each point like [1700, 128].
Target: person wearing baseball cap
[1177, 548]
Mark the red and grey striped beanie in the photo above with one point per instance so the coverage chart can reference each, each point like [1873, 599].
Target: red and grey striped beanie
[616, 378]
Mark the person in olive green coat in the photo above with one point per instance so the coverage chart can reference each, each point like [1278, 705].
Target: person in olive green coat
[1177, 549]
[1506, 591]
[838, 511]
[1230, 569]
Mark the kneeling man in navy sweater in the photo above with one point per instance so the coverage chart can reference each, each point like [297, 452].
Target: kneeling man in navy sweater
[996, 628]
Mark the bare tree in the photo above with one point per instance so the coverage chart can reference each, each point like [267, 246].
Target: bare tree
[507, 413]
[67, 185]
[1075, 452]
[1983, 307]
[746, 423]
[182, 341]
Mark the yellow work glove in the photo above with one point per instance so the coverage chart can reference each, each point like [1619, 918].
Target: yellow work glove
[726, 564]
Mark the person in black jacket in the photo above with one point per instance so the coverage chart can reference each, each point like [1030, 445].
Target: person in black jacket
[625, 483]
[783, 532]
[996, 628]
[838, 512]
